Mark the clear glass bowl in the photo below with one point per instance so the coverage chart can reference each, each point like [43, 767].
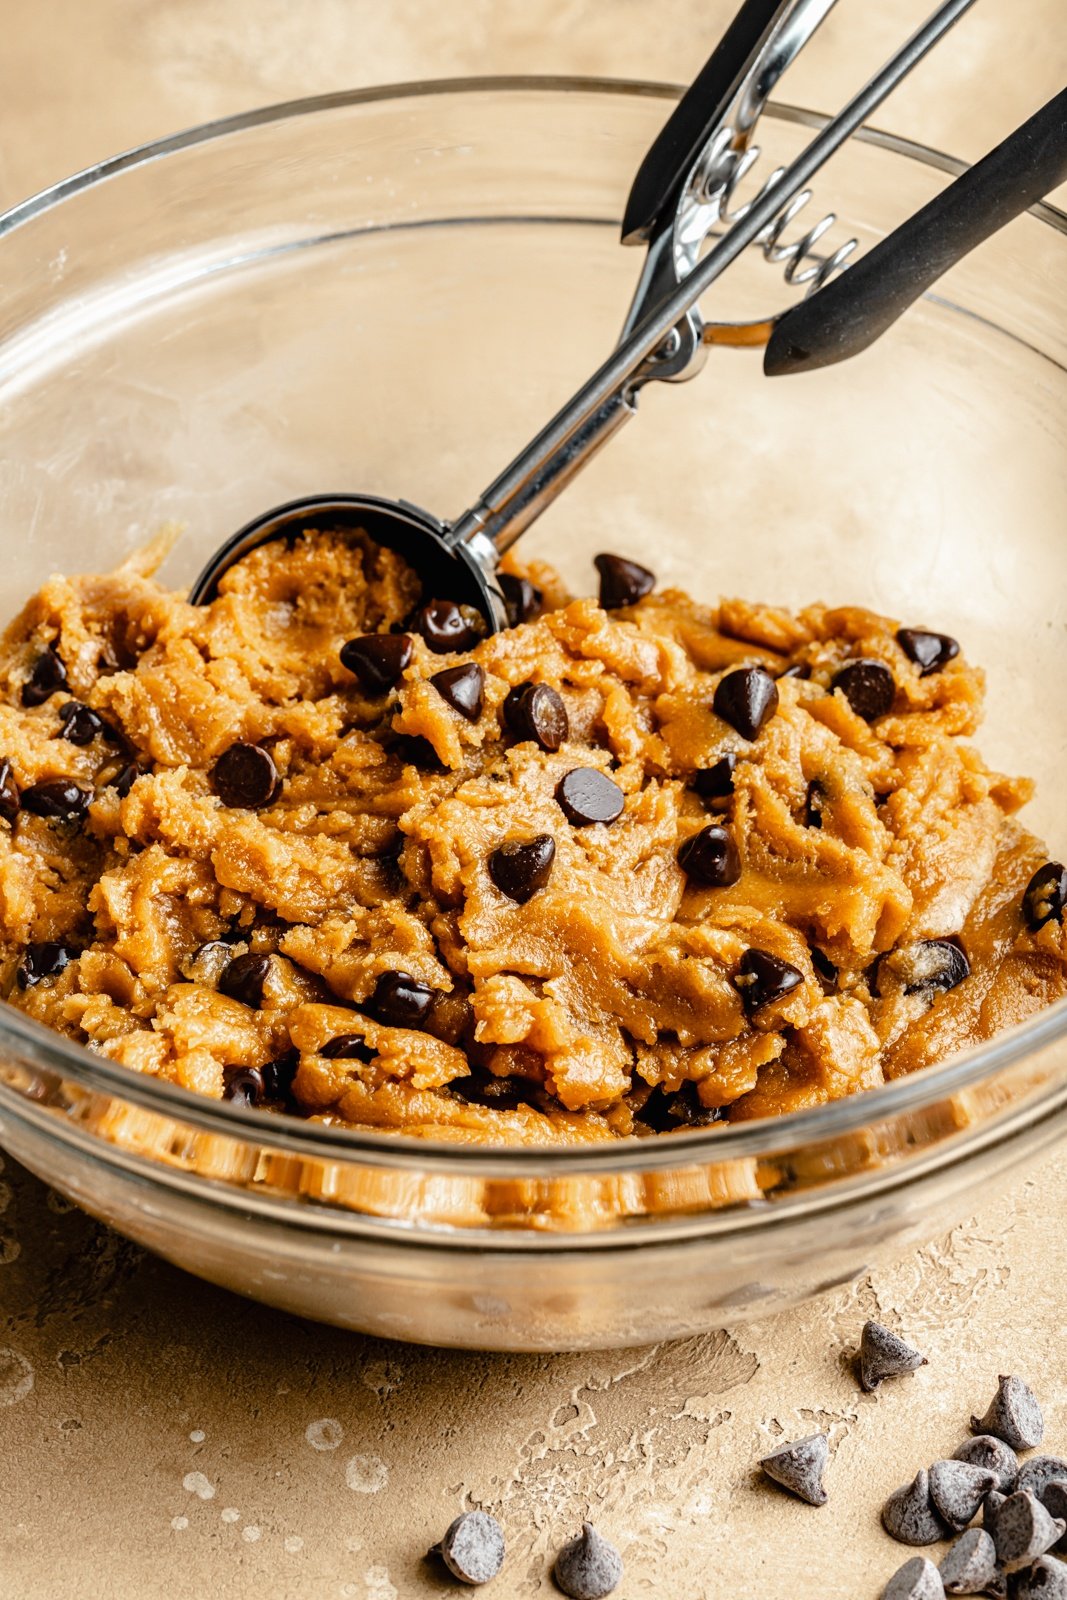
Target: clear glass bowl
[389, 291]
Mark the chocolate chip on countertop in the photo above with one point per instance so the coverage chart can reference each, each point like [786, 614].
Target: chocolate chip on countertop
[462, 688]
[970, 1565]
[446, 626]
[957, 1489]
[909, 1515]
[243, 979]
[883, 1354]
[799, 1467]
[931, 965]
[1036, 1474]
[917, 1579]
[814, 800]
[48, 675]
[1024, 1530]
[520, 867]
[588, 795]
[929, 651]
[536, 711]
[746, 698]
[243, 1085]
[1054, 1497]
[245, 776]
[761, 978]
[1046, 1580]
[622, 582]
[995, 1456]
[399, 1000]
[347, 1047]
[717, 781]
[278, 1075]
[826, 972]
[523, 600]
[43, 960]
[58, 799]
[9, 793]
[80, 724]
[1045, 896]
[868, 686]
[378, 660]
[991, 1507]
[588, 1568]
[1014, 1415]
[473, 1547]
[711, 858]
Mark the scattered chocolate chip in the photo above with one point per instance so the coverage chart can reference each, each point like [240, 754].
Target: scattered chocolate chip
[711, 858]
[400, 1001]
[799, 1467]
[588, 795]
[243, 979]
[957, 1489]
[57, 799]
[909, 1515]
[48, 675]
[801, 670]
[1045, 896]
[716, 782]
[991, 1507]
[1014, 1415]
[243, 1085]
[666, 1112]
[347, 1047]
[883, 1354]
[486, 1089]
[929, 651]
[917, 1579]
[622, 582]
[523, 600]
[1046, 1580]
[1054, 1497]
[1024, 1530]
[447, 626]
[536, 711]
[43, 960]
[80, 724]
[245, 776]
[520, 867]
[828, 976]
[868, 686]
[124, 780]
[814, 801]
[462, 688]
[378, 660]
[588, 1568]
[473, 1547]
[746, 698]
[278, 1075]
[931, 964]
[970, 1564]
[761, 978]
[994, 1456]
[1036, 1474]
[9, 793]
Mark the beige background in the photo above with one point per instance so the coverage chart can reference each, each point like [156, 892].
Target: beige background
[160, 1438]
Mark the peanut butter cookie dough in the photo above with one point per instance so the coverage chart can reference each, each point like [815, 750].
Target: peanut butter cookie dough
[623, 868]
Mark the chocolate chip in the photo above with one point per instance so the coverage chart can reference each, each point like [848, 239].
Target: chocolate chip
[1036, 1474]
[814, 800]
[716, 782]
[970, 1564]
[929, 651]
[746, 698]
[799, 1468]
[9, 793]
[536, 711]
[48, 675]
[486, 1089]
[800, 670]
[447, 627]
[991, 1509]
[827, 975]
[1046, 1580]
[1045, 896]
[622, 582]
[957, 1489]
[400, 1001]
[245, 776]
[520, 868]
[415, 751]
[57, 799]
[347, 1047]
[451, 1017]
[588, 1568]
[523, 601]
[80, 724]
[473, 1547]
[243, 1085]
[931, 965]
[917, 1579]
[243, 979]
[1054, 1497]
[378, 660]
[1024, 1530]
[587, 796]
[868, 686]
[710, 858]
[883, 1354]
[994, 1456]
[463, 688]
[761, 978]
[43, 960]
[909, 1515]
[666, 1112]
[1014, 1415]
[278, 1075]
[124, 781]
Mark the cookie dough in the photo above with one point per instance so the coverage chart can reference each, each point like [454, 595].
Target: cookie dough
[320, 848]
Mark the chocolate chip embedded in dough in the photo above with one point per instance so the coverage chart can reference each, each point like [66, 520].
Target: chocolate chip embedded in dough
[347, 1047]
[462, 688]
[519, 868]
[825, 971]
[243, 1085]
[245, 777]
[400, 1001]
[243, 979]
[929, 651]
[47, 676]
[710, 858]
[799, 1467]
[278, 1075]
[589, 1567]
[43, 960]
[378, 660]
[124, 780]
[79, 724]
[57, 799]
[622, 582]
[761, 978]
[9, 793]
[447, 627]
[868, 686]
[536, 711]
[1045, 896]
[588, 795]
[746, 698]
[717, 781]
[523, 600]
[931, 964]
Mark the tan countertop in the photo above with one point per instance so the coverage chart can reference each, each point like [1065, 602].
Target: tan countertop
[161, 1438]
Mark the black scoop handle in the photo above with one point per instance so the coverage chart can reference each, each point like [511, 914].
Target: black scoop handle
[855, 309]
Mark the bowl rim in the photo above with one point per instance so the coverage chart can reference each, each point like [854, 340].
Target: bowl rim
[375, 1147]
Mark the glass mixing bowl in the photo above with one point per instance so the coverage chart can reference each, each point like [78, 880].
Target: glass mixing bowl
[389, 291]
